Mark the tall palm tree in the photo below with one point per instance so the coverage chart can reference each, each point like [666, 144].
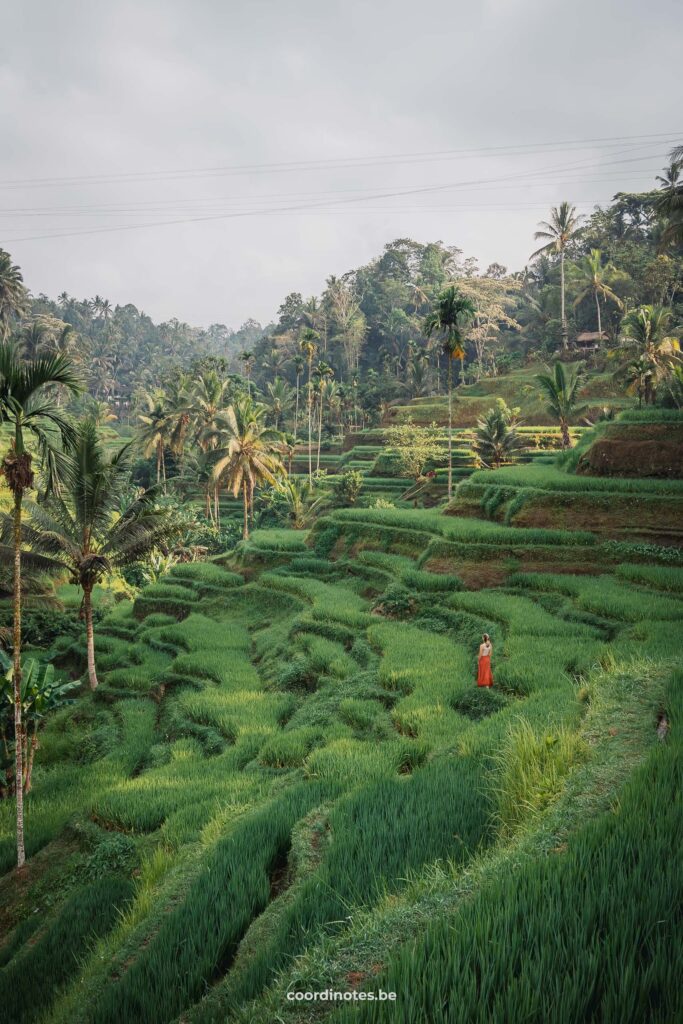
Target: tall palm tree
[307, 345]
[595, 278]
[670, 200]
[13, 297]
[323, 374]
[155, 429]
[299, 364]
[90, 526]
[645, 329]
[248, 456]
[26, 404]
[449, 320]
[561, 386]
[280, 395]
[247, 359]
[558, 232]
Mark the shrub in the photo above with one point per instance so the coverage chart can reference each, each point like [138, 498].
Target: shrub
[347, 487]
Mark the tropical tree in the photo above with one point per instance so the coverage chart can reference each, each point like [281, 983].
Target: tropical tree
[91, 526]
[646, 329]
[308, 345]
[41, 693]
[326, 390]
[594, 280]
[248, 456]
[247, 359]
[558, 232]
[561, 386]
[670, 200]
[280, 395]
[27, 406]
[299, 365]
[296, 503]
[13, 297]
[497, 440]
[449, 320]
[155, 430]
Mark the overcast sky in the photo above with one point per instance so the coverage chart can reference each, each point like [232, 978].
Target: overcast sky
[291, 137]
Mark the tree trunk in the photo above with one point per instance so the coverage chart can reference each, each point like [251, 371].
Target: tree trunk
[245, 495]
[310, 428]
[566, 439]
[216, 507]
[450, 427]
[296, 410]
[597, 306]
[565, 331]
[16, 679]
[90, 637]
[320, 431]
[30, 759]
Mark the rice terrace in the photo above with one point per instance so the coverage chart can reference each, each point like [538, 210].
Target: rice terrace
[340, 654]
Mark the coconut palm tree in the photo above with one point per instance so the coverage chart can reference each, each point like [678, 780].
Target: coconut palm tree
[449, 320]
[247, 359]
[670, 200]
[323, 374]
[13, 297]
[558, 232]
[497, 440]
[90, 526]
[26, 405]
[645, 329]
[307, 345]
[280, 395]
[299, 365]
[560, 386]
[594, 279]
[154, 431]
[248, 456]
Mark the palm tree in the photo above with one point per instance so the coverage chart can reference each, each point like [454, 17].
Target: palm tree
[90, 526]
[300, 505]
[307, 345]
[670, 200]
[26, 405]
[497, 440]
[451, 316]
[561, 387]
[280, 399]
[299, 364]
[248, 457]
[324, 374]
[247, 358]
[154, 430]
[13, 297]
[646, 329]
[595, 278]
[558, 232]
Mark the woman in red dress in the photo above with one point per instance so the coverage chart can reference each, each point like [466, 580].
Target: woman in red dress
[484, 677]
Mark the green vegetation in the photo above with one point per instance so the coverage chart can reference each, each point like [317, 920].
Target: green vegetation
[286, 779]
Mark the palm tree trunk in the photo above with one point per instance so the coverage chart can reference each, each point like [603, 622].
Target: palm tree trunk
[310, 427]
[16, 679]
[566, 439]
[90, 637]
[245, 527]
[565, 332]
[597, 306]
[216, 506]
[450, 427]
[296, 410]
[320, 431]
[158, 464]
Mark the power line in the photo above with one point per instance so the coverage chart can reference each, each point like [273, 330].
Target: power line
[522, 149]
[313, 206]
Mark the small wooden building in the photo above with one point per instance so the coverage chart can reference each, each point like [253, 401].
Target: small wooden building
[589, 341]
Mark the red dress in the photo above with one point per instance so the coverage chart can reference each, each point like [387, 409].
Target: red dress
[484, 676]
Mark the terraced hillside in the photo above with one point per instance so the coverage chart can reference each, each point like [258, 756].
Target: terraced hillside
[287, 781]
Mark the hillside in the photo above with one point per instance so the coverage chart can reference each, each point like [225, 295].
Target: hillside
[287, 779]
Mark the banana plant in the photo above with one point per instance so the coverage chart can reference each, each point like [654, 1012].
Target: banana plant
[41, 694]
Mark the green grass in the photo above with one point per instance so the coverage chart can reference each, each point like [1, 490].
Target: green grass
[283, 779]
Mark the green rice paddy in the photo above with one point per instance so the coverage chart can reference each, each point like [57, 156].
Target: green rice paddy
[288, 781]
